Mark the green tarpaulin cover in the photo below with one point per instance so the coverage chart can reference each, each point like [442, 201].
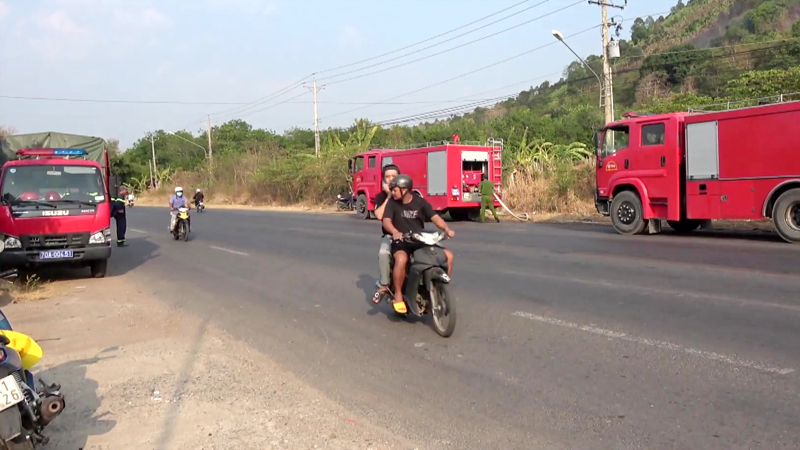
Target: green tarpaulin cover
[50, 139]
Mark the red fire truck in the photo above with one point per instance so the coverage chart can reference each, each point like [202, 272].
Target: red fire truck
[693, 167]
[54, 202]
[446, 174]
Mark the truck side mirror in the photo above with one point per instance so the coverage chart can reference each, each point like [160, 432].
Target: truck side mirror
[350, 165]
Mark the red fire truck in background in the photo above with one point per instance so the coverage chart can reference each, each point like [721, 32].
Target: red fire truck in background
[693, 167]
[446, 174]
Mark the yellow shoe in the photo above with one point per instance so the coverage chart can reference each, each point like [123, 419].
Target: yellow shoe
[400, 307]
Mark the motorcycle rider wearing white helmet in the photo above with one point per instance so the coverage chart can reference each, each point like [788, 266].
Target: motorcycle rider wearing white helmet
[176, 202]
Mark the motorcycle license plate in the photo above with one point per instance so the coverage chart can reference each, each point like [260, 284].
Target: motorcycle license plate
[56, 254]
[10, 393]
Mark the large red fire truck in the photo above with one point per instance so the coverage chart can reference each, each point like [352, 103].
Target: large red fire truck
[54, 202]
[446, 174]
[693, 167]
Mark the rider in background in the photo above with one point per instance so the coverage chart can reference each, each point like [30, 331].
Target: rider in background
[390, 172]
[408, 215]
[176, 202]
[198, 197]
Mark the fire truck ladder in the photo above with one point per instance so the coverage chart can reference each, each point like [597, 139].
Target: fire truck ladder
[497, 174]
[747, 103]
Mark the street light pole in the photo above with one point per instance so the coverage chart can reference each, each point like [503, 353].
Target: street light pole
[205, 152]
[557, 34]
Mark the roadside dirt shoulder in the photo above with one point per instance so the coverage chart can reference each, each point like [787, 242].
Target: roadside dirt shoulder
[138, 375]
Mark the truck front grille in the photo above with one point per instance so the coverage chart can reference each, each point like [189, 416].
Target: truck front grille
[55, 241]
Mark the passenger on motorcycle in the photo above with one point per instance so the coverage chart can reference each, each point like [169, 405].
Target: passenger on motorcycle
[407, 214]
[390, 172]
[176, 202]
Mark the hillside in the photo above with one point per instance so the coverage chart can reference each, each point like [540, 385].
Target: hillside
[704, 51]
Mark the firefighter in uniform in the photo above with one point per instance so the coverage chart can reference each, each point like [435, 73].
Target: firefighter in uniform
[118, 213]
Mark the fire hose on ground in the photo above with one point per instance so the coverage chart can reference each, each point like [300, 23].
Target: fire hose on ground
[524, 217]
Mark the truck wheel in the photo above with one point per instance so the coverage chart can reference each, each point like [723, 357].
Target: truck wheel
[459, 214]
[626, 213]
[684, 226]
[786, 215]
[98, 268]
[361, 207]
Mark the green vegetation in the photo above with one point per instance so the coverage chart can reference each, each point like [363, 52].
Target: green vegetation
[703, 52]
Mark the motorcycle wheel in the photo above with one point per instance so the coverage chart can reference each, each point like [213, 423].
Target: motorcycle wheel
[443, 310]
[183, 232]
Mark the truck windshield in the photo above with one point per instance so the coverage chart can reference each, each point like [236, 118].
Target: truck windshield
[52, 184]
[614, 139]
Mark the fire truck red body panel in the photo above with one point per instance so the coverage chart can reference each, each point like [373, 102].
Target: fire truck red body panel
[729, 164]
[446, 175]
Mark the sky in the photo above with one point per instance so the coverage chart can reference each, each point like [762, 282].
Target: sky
[224, 55]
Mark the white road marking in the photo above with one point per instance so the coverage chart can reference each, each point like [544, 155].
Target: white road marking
[654, 343]
[138, 231]
[230, 251]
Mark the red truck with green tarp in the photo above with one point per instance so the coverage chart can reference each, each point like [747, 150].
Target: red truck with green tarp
[55, 202]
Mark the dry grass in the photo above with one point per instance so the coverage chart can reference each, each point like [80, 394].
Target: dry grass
[564, 189]
[31, 289]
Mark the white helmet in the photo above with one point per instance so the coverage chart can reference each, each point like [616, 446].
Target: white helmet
[198, 189]
[178, 189]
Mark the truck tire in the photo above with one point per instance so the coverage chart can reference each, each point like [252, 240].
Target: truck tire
[459, 214]
[98, 268]
[626, 213]
[361, 207]
[684, 226]
[786, 215]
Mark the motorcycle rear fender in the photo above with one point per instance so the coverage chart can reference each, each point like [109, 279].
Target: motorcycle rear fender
[10, 423]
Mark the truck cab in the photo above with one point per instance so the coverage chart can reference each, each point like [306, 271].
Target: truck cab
[54, 209]
[639, 161]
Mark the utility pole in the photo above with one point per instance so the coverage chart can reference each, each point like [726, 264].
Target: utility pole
[608, 84]
[316, 89]
[210, 152]
[155, 170]
[150, 180]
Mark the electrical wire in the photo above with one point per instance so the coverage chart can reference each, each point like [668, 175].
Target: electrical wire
[519, 55]
[424, 40]
[443, 51]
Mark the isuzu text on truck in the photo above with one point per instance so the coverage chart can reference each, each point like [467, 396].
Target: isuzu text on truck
[54, 202]
[445, 174]
[693, 167]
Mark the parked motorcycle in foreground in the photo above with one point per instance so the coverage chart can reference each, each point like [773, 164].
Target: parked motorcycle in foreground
[181, 228]
[426, 289]
[24, 409]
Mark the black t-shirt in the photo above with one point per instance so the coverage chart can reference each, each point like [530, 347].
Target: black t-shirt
[378, 201]
[410, 217]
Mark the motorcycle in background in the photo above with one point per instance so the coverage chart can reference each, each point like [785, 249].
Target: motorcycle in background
[200, 206]
[346, 202]
[25, 410]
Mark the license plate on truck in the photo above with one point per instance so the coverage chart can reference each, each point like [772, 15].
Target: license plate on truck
[55, 254]
[10, 393]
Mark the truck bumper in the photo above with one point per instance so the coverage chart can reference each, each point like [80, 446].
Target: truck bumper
[601, 204]
[20, 258]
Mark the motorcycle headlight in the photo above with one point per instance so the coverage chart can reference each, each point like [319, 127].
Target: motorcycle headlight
[12, 242]
[101, 237]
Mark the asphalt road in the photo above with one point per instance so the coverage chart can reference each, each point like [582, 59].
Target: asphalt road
[568, 336]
